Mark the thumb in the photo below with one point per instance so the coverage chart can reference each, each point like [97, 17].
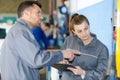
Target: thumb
[69, 68]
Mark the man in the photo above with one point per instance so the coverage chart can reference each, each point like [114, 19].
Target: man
[21, 55]
[40, 36]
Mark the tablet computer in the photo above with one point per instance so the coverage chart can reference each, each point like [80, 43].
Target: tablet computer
[62, 67]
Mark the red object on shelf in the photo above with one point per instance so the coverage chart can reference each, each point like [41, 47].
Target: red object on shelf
[114, 35]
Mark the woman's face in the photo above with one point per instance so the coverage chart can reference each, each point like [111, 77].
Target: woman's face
[82, 31]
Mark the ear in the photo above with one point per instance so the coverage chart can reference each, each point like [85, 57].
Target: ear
[26, 13]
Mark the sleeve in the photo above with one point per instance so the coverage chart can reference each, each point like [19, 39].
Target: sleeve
[65, 44]
[101, 69]
[28, 50]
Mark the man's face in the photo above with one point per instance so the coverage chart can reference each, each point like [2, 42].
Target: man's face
[35, 17]
[82, 31]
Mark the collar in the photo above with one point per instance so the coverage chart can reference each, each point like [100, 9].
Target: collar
[21, 21]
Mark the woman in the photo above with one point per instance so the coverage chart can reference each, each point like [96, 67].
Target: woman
[92, 63]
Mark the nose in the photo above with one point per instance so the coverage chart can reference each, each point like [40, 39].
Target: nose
[83, 33]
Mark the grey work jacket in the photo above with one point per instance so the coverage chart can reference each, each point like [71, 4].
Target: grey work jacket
[93, 58]
[21, 57]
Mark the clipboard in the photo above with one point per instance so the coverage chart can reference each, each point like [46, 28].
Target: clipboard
[62, 67]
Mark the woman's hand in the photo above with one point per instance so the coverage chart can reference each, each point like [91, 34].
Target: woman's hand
[77, 70]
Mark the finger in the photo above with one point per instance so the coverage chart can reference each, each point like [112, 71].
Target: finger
[71, 58]
[64, 61]
[70, 68]
[73, 70]
[77, 67]
[76, 52]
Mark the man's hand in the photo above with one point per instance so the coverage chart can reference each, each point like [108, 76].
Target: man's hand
[64, 61]
[69, 54]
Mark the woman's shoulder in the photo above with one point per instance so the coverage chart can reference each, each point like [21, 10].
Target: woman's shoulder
[101, 46]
